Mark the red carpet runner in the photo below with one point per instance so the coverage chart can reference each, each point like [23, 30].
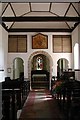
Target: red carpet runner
[40, 105]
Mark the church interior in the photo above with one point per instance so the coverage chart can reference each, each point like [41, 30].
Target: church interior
[40, 60]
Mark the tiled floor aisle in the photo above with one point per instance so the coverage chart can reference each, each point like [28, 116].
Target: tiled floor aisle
[40, 105]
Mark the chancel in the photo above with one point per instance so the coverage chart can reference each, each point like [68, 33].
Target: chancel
[40, 60]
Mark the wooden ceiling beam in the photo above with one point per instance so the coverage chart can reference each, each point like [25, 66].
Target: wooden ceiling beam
[41, 19]
[38, 30]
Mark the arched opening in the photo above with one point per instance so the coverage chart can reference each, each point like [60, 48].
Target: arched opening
[62, 65]
[40, 71]
[18, 68]
[45, 61]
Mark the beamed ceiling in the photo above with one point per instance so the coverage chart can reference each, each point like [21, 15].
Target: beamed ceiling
[40, 17]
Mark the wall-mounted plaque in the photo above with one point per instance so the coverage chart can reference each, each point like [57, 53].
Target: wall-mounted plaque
[39, 41]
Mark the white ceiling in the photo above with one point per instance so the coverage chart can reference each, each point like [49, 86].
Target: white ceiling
[40, 9]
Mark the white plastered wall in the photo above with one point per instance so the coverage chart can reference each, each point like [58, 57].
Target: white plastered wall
[25, 56]
[3, 53]
[3, 61]
[76, 52]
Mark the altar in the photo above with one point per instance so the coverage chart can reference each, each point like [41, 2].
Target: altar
[39, 79]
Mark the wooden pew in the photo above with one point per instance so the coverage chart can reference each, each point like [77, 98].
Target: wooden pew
[17, 88]
[69, 99]
[9, 104]
[74, 112]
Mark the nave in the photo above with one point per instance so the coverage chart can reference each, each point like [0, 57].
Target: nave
[39, 105]
[62, 102]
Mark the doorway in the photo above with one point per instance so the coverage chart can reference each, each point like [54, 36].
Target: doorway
[62, 65]
[18, 67]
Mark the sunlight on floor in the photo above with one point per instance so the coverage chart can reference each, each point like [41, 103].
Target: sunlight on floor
[47, 99]
[40, 104]
[42, 97]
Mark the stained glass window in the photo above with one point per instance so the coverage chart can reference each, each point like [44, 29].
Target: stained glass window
[39, 63]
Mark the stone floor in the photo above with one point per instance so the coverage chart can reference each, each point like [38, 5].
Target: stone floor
[41, 105]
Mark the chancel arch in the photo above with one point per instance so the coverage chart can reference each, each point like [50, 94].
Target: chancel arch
[47, 65]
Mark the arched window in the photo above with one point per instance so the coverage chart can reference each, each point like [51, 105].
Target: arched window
[39, 63]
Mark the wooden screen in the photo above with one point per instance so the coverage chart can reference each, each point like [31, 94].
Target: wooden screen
[57, 44]
[67, 44]
[12, 44]
[62, 43]
[22, 44]
[17, 43]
